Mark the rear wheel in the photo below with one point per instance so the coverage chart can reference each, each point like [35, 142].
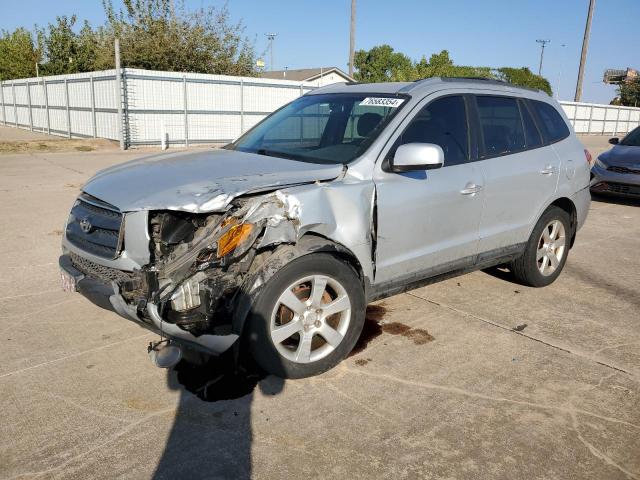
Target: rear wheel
[546, 251]
[308, 317]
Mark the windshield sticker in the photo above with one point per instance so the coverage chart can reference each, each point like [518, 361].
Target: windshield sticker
[382, 102]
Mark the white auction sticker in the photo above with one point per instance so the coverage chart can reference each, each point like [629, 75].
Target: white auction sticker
[382, 102]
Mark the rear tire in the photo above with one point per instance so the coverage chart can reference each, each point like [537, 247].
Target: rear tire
[546, 251]
[307, 318]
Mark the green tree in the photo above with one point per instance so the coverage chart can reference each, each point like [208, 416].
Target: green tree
[441, 65]
[61, 47]
[629, 93]
[383, 64]
[18, 54]
[156, 35]
[525, 78]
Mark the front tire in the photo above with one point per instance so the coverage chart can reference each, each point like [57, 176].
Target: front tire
[546, 251]
[307, 318]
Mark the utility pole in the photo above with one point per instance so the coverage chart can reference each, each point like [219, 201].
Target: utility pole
[271, 37]
[559, 76]
[352, 37]
[585, 47]
[543, 43]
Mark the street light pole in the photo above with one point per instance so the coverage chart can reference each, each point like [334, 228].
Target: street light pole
[559, 76]
[271, 37]
[352, 37]
[543, 43]
[585, 47]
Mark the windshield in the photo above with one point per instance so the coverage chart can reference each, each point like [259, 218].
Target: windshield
[632, 139]
[323, 128]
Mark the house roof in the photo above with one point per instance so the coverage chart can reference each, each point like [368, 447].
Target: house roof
[304, 74]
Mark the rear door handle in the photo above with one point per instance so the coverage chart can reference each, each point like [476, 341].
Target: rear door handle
[471, 189]
[548, 170]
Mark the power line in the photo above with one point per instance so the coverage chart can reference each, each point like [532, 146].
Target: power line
[543, 44]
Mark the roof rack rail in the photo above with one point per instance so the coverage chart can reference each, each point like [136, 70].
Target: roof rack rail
[494, 81]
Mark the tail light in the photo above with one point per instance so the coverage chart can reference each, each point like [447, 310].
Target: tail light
[589, 158]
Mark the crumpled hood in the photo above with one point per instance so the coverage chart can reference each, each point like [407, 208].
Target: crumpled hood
[202, 181]
[622, 156]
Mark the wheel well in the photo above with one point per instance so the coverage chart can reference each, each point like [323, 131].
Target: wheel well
[568, 206]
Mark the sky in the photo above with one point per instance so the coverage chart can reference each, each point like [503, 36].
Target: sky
[493, 33]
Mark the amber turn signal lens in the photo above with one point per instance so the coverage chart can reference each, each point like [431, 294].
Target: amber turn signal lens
[230, 240]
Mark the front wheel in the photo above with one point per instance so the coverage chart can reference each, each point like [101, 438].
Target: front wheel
[546, 251]
[308, 317]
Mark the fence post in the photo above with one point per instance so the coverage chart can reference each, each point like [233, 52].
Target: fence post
[66, 101]
[186, 115]
[591, 118]
[615, 128]
[4, 112]
[241, 106]
[119, 96]
[29, 103]
[46, 104]
[93, 107]
[15, 107]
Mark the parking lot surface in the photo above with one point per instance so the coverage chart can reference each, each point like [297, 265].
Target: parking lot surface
[474, 377]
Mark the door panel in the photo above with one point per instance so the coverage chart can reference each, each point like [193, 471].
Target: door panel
[425, 221]
[517, 187]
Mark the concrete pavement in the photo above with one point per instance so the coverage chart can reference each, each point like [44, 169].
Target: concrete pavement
[442, 386]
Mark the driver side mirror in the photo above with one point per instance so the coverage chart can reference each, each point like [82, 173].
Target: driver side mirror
[417, 156]
[614, 140]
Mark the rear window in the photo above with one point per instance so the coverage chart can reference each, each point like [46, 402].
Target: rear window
[551, 123]
[501, 125]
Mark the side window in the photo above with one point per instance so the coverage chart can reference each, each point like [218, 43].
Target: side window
[443, 122]
[551, 123]
[501, 125]
[531, 133]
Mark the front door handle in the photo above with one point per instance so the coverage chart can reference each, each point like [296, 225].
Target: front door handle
[471, 189]
[548, 170]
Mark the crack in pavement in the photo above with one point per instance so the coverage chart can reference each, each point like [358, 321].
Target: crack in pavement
[482, 396]
[595, 451]
[530, 337]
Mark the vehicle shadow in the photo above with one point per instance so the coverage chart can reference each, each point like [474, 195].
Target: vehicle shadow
[631, 202]
[211, 436]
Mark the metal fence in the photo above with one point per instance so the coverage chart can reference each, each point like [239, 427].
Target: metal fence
[187, 108]
[596, 119]
[179, 108]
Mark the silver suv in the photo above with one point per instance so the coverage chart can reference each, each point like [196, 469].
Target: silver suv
[274, 244]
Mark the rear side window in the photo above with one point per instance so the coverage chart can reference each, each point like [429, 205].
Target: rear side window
[501, 125]
[531, 133]
[551, 123]
[443, 122]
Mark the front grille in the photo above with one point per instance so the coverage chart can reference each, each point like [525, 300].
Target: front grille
[106, 274]
[632, 171]
[95, 226]
[624, 189]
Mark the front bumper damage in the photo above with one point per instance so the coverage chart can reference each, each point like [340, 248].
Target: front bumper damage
[187, 293]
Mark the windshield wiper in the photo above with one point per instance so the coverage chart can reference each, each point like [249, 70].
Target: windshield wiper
[275, 153]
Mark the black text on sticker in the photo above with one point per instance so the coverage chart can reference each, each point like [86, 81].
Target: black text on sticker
[382, 102]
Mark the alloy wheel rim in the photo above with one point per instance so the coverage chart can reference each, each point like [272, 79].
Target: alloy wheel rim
[551, 248]
[310, 318]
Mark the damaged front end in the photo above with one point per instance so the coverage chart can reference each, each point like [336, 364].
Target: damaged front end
[191, 288]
